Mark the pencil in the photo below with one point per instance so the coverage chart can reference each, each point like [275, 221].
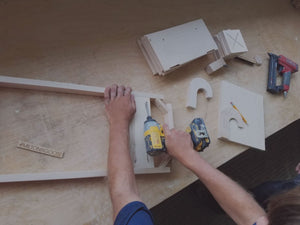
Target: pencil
[239, 113]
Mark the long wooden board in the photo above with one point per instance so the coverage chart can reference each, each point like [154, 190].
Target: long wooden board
[53, 86]
[5, 178]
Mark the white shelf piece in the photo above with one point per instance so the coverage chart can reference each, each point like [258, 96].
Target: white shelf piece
[251, 107]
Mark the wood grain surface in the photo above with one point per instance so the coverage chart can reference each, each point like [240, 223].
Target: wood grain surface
[93, 43]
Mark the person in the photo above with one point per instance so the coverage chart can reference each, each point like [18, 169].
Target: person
[128, 208]
[264, 192]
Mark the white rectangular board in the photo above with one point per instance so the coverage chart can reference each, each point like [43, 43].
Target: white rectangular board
[251, 106]
[180, 44]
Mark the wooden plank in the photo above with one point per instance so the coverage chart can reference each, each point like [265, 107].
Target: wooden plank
[5, 178]
[52, 86]
[39, 149]
[214, 66]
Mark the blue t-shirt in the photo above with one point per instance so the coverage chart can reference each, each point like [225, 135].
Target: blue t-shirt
[134, 213]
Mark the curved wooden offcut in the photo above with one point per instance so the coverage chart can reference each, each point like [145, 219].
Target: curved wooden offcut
[196, 85]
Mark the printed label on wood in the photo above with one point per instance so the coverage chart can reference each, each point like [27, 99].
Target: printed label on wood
[39, 149]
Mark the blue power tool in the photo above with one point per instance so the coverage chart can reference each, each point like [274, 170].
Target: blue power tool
[199, 135]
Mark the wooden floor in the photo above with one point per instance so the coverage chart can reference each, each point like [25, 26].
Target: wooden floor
[195, 206]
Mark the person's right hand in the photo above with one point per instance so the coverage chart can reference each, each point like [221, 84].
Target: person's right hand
[179, 144]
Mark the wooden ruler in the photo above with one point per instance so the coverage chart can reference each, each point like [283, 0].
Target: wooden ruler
[39, 149]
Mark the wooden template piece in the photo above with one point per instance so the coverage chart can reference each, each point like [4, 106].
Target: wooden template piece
[180, 44]
[251, 106]
[39, 149]
[195, 85]
[227, 115]
[250, 58]
[52, 86]
[214, 66]
[143, 163]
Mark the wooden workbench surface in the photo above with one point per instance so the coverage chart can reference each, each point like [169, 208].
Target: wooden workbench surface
[94, 43]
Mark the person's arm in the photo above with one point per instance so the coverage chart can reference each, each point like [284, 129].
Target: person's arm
[235, 201]
[120, 109]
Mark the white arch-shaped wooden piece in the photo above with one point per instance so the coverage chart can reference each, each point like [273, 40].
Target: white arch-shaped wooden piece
[227, 115]
[195, 85]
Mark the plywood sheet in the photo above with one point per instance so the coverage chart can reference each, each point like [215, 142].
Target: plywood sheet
[250, 105]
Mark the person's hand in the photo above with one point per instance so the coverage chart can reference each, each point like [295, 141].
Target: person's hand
[119, 105]
[298, 168]
[179, 144]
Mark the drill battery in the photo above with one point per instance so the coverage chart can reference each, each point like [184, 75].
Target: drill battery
[199, 135]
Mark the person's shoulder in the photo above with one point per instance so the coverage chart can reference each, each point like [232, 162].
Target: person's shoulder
[263, 220]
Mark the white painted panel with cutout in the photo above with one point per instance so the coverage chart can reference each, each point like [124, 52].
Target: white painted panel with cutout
[250, 105]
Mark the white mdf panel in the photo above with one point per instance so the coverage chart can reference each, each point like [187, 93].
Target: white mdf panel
[251, 106]
[181, 44]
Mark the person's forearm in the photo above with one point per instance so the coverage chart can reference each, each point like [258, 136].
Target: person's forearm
[232, 198]
[120, 170]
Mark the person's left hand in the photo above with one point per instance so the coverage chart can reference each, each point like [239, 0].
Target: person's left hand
[119, 105]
